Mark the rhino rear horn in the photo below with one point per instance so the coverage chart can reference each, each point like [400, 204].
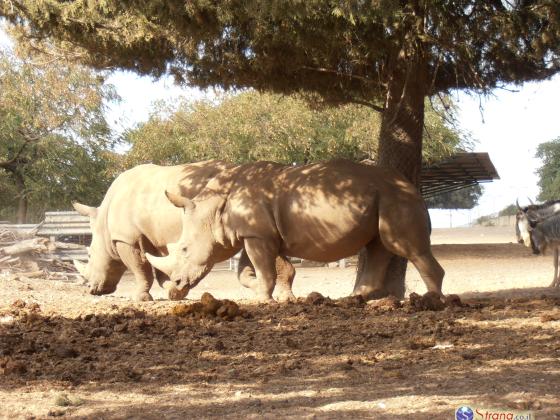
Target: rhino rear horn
[164, 264]
[85, 210]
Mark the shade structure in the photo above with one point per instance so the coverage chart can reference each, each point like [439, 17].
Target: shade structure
[459, 171]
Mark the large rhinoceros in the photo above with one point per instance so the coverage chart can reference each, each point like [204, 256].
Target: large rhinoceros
[322, 212]
[135, 217]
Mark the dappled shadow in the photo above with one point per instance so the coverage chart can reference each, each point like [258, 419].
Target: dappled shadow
[320, 212]
[294, 359]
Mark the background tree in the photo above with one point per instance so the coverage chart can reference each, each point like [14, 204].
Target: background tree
[388, 55]
[54, 140]
[261, 126]
[549, 172]
[465, 198]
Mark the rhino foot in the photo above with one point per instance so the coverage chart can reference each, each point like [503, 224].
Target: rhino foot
[144, 297]
[265, 299]
[286, 296]
[371, 294]
[176, 294]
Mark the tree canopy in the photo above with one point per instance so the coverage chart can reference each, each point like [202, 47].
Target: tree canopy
[549, 172]
[346, 51]
[261, 126]
[54, 140]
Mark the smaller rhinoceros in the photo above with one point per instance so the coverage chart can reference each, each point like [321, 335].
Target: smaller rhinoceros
[135, 217]
[321, 212]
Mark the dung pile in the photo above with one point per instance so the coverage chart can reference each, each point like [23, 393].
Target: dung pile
[210, 307]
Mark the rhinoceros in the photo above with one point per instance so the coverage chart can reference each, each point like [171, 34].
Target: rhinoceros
[322, 212]
[135, 217]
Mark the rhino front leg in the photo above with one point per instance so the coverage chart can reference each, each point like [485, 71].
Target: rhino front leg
[285, 274]
[262, 254]
[142, 270]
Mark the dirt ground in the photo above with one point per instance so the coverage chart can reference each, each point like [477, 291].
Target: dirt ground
[65, 353]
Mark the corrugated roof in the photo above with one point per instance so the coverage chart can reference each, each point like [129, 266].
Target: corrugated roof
[459, 171]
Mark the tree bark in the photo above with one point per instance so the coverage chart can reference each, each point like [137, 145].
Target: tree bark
[400, 142]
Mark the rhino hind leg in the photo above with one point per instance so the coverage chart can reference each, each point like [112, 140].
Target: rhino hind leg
[431, 272]
[246, 272]
[285, 274]
[371, 274]
[142, 270]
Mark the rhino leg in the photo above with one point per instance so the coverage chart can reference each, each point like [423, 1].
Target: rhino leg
[262, 254]
[284, 279]
[142, 270]
[285, 274]
[431, 272]
[246, 272]
[408, 235]
[370, 276]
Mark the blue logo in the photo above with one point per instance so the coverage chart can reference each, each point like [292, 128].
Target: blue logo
[464, 413]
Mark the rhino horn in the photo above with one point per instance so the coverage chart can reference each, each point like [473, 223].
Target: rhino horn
[164, 264]
[85, 210]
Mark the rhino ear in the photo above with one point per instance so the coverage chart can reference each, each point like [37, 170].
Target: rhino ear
[180, 201]
[85, 210]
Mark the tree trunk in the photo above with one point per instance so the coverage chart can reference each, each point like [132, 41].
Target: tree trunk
[22, 199]
[400, 142]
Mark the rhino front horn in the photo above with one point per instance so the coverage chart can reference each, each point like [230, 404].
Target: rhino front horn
[164, 264]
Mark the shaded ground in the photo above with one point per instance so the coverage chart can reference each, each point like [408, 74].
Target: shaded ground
[113, 358]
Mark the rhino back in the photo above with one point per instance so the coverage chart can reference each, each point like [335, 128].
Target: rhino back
[136, 204]
[318, 211]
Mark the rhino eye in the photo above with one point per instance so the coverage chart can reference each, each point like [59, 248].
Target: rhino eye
[184, 249]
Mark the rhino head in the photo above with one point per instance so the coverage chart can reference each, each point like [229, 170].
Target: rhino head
[102, 272]
[192, 256]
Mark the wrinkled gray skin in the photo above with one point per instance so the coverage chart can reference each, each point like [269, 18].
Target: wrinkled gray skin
[321, 212]
[135, 216]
